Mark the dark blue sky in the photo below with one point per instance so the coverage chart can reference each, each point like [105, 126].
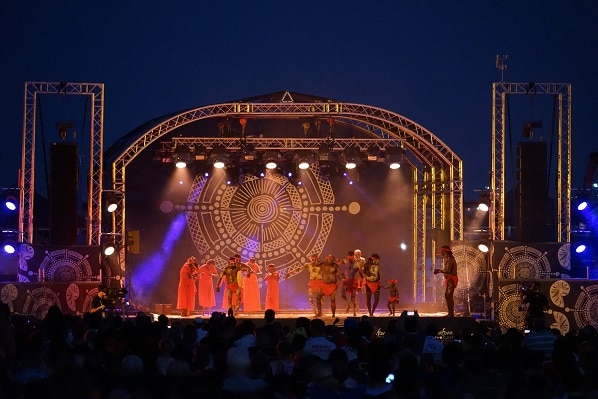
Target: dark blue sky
[430, 61]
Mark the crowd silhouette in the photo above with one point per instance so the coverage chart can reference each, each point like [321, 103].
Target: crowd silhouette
[221, 356]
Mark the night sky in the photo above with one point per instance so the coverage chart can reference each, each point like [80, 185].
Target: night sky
[432, 62]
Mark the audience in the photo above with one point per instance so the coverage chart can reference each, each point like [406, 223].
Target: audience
[63, 357]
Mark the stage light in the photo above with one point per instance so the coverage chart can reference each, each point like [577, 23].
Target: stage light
[181, 156]
[200, 153]
[233, 174]
[580, 248]
[394, 157]
[219, 156]
[484, 246]
[351, 154]
[11, 203]
[112, 200]
[271, 160]
[324, 152]
[111, 204]
[303, 164]
[582, 205]
[373, 154]
[109, 248]
[304, 160]
[409, 313]
[9, 247]
[248, 152]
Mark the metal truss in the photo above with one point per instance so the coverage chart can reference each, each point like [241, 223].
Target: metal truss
[562, 92]
[383, 126]
[27, 180]
[279, 144]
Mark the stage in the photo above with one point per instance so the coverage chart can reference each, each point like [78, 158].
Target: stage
[449, 327]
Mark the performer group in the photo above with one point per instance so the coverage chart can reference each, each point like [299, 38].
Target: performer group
[353, 274]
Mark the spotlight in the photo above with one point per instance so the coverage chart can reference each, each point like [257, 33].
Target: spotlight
[109, 249]
[9, 247]
[409, 313]
[580, 207]
[324, 152]
[580, 248]
[373, 154]
[233, 174]
[394, 157]
[111, 205]
[112, 201]
[303, 164]
[271, 160]
[219, 156]
[200, 153]
[351, 155]
[484, 246]
[11, 203]
[181, 156]
[249, 152]
[304, 161]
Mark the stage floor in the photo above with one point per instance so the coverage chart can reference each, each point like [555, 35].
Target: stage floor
[448, 327]
[293, 314]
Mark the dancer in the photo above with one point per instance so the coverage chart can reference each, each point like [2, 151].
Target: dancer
[206, 274]
[351, 278]
[371, 273]
[232, 273]
[314, 286]
[359, 263]
[272, 292]
[251, 289]
[187, 287]
[393, 298]
[449, 270]
[330, 277]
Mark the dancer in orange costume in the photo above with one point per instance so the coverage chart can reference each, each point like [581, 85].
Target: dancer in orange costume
[206, 295]
[251, 289]
[272, 292]
[187, 287]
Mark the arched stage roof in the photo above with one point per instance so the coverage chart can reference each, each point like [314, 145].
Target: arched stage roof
[290, 120]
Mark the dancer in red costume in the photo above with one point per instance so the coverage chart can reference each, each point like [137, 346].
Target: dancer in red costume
[371, 274]
[331, 275]
[272, 293]
[187, 287]
[251, 289]
[206, 274]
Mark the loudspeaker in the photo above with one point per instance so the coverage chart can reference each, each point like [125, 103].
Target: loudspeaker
[63, 187]
[9, 267]
[533, 191]
[163, 308]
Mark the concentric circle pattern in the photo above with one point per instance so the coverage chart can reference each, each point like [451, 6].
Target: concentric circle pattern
[266, 217]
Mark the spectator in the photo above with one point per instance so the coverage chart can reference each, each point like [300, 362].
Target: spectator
[317, 343]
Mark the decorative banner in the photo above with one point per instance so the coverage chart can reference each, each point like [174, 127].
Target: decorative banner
[265, 217]
[513, 260]
[573, 303]
[58, 264]
[36, 298]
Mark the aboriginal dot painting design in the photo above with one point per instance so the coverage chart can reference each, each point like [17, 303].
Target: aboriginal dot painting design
[64, 265]
[266, 217]
[524, 262]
